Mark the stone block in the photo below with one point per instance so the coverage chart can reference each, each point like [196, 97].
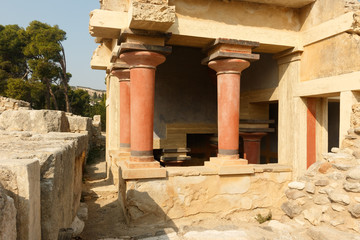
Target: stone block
[355, 210]
[21, 179]
[7, 216]
[296, 185]
[79, 124]
[39, 121]
[141, 173]
[151, 16]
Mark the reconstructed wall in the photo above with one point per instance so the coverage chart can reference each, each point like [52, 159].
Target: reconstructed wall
[190, 194]
[41, 166]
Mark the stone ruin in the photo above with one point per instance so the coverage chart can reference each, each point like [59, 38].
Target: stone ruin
[41, 164]
[329, 192]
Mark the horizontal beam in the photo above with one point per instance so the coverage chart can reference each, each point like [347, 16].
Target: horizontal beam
[283, 3]
[328, 85]
[261, 96]
[343, 23]
[197, 32]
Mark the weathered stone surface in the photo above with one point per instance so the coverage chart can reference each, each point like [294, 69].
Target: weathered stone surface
[335, 150]
[324, 167]
[12, 104]
[313, 215]
[342, 167]
[21, 179]
[215, 235]
[7, 216]
[354, 174]
[328, 233]
[336, 176]
[355, 210]
[39, 121]
[310, 187]
[338, 197]
[291, 209]
[352, 187]
[296, 185]
[78, 226]
[83, 211]
[321, 200]
[151, 16]
[294, 194]
[158, 2]
[59, 176]
[322, 182]
[337, 207]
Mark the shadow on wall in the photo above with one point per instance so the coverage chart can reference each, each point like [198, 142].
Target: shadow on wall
[146, 211]
[107, 220]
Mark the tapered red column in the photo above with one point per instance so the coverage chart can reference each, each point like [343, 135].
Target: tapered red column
[228, 85]
[142, 80]
[124, 78]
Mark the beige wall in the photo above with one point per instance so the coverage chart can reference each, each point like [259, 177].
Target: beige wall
[320, 11]
[330, 57]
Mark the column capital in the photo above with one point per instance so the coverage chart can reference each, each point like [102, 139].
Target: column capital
[229, 65]
[142, 59]
[122, 74]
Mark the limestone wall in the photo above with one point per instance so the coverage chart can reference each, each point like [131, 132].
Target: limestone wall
[190, 194]
[9, 103]
[41, 164]
[329, 192]
[7, 216]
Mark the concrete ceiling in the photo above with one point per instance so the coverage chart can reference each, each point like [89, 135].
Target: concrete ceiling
[283, 3]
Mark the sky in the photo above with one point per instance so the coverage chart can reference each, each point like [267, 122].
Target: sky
[72, 16]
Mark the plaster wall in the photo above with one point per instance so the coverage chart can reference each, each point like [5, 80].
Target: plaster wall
[331, 57]
[321, 11]
[238, 13]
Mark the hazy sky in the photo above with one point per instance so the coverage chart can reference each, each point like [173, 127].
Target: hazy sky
[72, 16]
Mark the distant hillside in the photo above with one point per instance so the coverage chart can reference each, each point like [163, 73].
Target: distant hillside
[91, 91]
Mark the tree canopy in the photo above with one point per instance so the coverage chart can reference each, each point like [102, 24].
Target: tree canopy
[33, 68]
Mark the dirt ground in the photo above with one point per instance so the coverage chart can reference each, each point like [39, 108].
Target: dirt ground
[105, 217]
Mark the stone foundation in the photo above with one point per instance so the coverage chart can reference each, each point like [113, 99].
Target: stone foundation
[189, 194]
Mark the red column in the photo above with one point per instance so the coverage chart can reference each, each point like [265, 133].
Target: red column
[252, 142]
[228, 85]
[311, 131]
[142, 77]
[124, 77]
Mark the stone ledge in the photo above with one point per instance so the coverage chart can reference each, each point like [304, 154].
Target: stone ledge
[142, 173]
[271, 167]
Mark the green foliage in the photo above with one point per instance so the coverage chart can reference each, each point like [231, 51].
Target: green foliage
[80, 102]
[12, 59]
[18, 89]
[99, 108]
[262, 219]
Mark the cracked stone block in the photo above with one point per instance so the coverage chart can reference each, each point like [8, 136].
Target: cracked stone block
[151, 16]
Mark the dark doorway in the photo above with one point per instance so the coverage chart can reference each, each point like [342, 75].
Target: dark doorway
[269, 143]
[333, 124]
[202, 147]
